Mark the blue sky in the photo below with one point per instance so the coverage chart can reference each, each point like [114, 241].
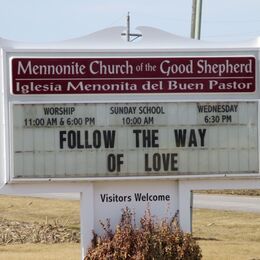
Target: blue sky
[54, 20]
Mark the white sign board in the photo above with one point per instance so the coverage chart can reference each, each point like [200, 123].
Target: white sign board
[134, 139]
[161, 197]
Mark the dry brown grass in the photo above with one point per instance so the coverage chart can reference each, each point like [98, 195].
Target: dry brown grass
[227, 235]
[31, 210]
[69, 251]
[40, 210]
[231, 192]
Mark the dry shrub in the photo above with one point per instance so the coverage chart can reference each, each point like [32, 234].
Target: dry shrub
[151, 241]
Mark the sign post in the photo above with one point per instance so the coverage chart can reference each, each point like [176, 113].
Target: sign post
[137, 129]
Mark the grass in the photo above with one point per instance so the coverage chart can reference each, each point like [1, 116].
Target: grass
[227, 235]
[40, 210]
[41, 252]
[253, 192]
[223, 235]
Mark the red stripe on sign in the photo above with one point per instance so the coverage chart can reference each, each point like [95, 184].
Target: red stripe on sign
[36, 76]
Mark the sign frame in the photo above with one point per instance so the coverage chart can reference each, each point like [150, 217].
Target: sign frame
[121, 98]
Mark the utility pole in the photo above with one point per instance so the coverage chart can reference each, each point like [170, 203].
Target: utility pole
[196, 19]
[128, 33]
